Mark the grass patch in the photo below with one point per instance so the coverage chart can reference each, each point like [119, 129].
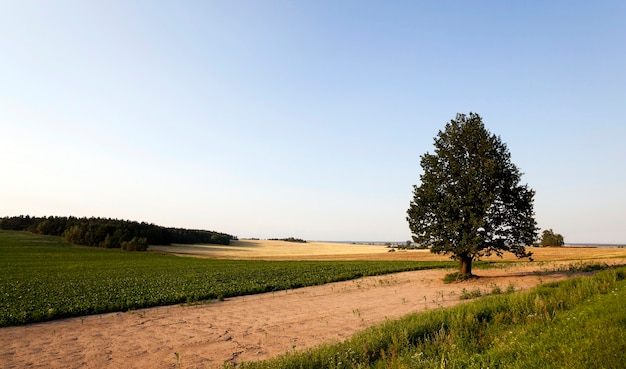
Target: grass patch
[576, 323]
[458, 277]
[467, 295]
[42, 278]
[586, 267]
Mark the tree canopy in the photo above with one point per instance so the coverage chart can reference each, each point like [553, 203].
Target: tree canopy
[469, 203]
[112, 233]
[549, 238]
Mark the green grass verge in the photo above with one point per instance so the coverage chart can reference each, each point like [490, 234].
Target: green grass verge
[41, 278]
[577, 323]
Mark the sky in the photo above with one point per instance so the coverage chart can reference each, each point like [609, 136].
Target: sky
[307, 119]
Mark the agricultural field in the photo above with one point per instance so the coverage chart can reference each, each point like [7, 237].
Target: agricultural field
[397, 320]
[322, 251]
[43, 279]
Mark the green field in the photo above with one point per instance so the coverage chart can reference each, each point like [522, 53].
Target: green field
[576, 323]
[42, 278]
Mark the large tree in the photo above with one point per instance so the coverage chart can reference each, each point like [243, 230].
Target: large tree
[470, 203]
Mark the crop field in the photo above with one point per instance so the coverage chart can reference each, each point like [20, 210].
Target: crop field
[41, 278]
[576, 323]
[323, 251]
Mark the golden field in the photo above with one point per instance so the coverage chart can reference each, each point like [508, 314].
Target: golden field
[282, 250]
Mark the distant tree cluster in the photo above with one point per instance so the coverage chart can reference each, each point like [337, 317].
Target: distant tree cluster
[549, 238]
[111, 233]
[189, 236]
[288, 239]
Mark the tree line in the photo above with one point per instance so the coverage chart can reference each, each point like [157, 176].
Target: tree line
[111, 233]
[288, 239]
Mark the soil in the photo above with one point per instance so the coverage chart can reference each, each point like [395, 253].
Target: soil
[251, 328]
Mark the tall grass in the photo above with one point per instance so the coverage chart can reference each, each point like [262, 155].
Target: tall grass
[576, 323]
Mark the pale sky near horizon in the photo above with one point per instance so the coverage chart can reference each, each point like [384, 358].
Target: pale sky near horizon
[305, 118]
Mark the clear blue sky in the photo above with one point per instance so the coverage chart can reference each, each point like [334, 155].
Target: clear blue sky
[305, 118]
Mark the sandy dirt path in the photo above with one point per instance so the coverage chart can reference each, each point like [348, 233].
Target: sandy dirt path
[246, 328]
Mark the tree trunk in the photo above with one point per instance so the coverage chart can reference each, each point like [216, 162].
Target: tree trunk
[465, 264]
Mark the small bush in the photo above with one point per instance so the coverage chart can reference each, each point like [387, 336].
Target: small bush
[465, 295]
[510, 288]
[496, 290]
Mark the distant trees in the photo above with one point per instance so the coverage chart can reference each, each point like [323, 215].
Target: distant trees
[288, 239]
[189, 236]
[135, 244]
[549, 238]
[470, 203]
[111, 233]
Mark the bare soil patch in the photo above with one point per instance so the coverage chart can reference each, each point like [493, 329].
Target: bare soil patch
[262, 326]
